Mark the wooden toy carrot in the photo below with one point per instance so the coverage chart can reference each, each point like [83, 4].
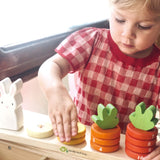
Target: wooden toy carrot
[141, 133]
[105, 132]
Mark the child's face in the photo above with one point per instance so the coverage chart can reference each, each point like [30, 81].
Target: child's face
[134, 31]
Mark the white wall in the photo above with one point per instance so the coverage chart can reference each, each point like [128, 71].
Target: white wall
[33, 98]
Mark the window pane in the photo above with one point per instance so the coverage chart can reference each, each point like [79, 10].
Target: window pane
[27, 20]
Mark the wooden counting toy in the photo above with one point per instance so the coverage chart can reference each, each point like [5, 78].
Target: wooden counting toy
[141, 133]
[79, 138]
[105, 132]
[11, 114]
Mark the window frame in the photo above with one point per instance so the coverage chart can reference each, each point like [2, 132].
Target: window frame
[24, 60]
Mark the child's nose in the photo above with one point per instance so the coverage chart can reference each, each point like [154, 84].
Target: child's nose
[128, 33]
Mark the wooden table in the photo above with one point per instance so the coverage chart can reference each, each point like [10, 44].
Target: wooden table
[18, 145]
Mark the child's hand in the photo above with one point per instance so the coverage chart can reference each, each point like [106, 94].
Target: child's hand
[63, 114]
[154, 155]
[62, 111]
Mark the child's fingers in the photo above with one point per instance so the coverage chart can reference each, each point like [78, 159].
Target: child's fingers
[54, 125]
[70, 122]
[74, 128]
[60, 129]
[67, 126]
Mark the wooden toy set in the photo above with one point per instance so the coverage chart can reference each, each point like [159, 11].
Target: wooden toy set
[105, 132]
[141, 133]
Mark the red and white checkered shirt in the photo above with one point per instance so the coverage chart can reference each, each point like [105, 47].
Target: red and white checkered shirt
[105, 75]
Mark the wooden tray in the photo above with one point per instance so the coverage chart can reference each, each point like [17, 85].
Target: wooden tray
[53, 148]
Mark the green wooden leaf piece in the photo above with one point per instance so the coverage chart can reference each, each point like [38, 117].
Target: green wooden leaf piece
[144, 118]
[107, 116]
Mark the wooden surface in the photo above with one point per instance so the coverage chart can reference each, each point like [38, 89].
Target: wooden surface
[51, 147]
[10, 151]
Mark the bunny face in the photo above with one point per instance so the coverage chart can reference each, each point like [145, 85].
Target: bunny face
[8, 102]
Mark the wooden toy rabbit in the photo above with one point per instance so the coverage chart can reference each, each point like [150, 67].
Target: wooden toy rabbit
[11, 114]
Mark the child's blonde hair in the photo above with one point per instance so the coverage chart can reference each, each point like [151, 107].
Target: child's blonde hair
[158, 42]
[152, 6]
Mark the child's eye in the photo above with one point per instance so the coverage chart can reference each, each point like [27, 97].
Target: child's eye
[144, 27]
[120, 20]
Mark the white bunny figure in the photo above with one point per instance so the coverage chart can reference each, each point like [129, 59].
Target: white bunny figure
[11, 114]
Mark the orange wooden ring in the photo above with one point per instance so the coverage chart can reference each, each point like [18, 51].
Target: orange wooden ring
[79, 135]
[140, 143]
[105, 142]
[74, 141]
[135, 155]
[97, 132]
[139, 149]
[81, 131]
[141, 134]
[105, 149]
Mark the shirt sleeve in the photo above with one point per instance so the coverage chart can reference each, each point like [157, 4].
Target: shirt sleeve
[77, 48]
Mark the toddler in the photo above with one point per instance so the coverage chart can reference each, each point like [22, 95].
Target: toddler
[119, 65]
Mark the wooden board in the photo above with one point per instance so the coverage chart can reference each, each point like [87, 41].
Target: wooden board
[53, 148]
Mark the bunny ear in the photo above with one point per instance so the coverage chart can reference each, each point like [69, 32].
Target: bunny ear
[16, 87]
[5, 85]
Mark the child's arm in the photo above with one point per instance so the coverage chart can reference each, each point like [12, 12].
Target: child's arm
[62, 111]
